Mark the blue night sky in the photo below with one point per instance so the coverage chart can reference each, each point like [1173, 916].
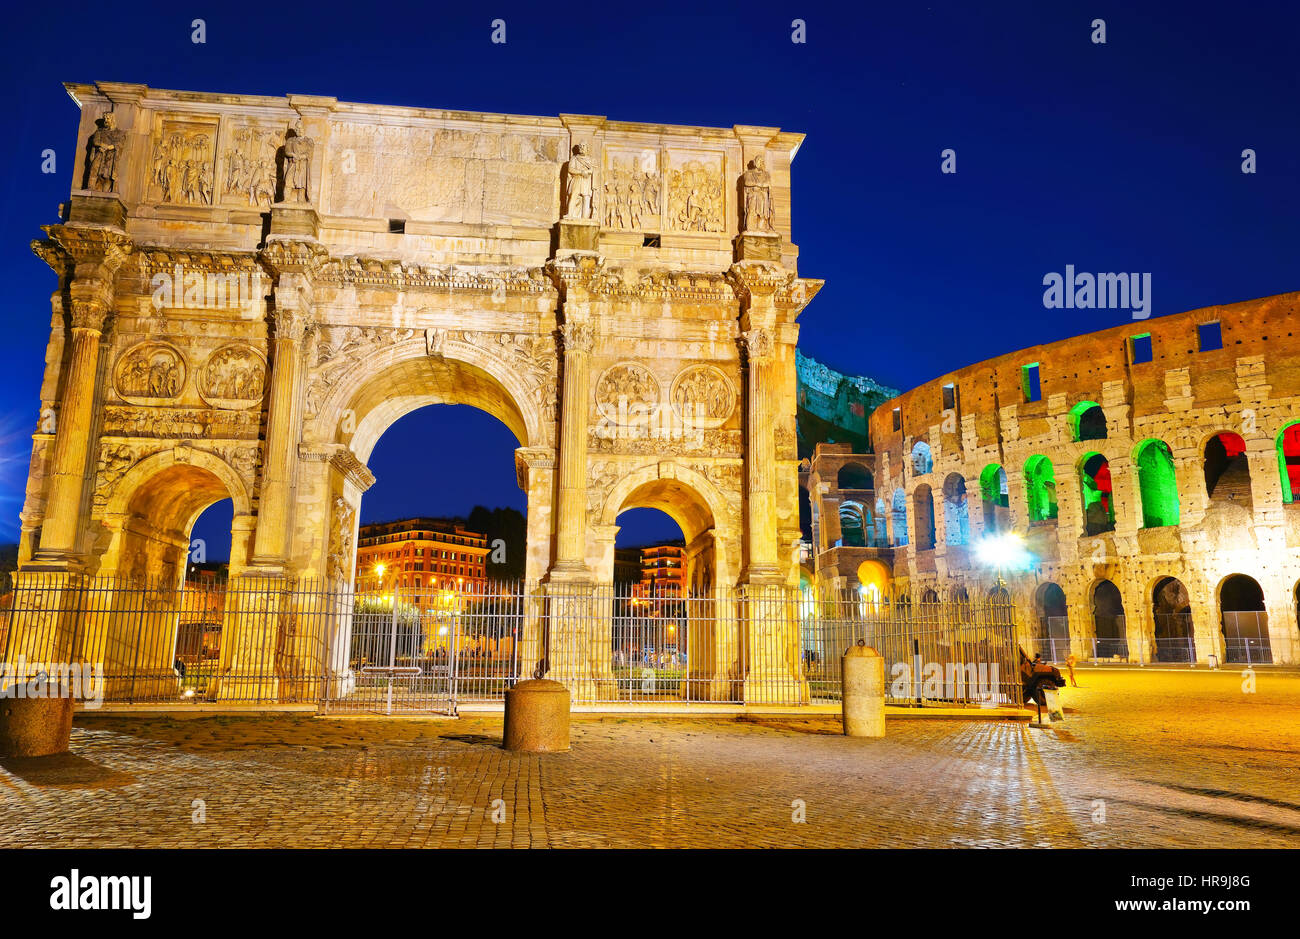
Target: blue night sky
[1117, 157]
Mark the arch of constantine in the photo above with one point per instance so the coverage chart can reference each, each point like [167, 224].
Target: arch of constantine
[252, 289]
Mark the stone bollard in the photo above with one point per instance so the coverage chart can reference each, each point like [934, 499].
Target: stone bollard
[537, 717]
[35, 726]
[862, 672]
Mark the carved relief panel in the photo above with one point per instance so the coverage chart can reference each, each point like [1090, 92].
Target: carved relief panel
[703, 396]
[632, 189]
[696, 193]
[150, 373]
[232, 377]
[626, 387]
[248, 165]
[182, 161]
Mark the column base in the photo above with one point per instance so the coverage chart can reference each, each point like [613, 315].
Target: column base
[246, 687]
[776, 688]
[571, 572]
[46, 561]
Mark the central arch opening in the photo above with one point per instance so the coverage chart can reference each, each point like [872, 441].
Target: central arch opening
[441, 554]
[437, 551]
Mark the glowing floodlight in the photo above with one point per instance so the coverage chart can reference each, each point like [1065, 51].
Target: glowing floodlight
[1004, 552]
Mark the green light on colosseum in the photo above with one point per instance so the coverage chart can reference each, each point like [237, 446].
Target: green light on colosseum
[1157, 484]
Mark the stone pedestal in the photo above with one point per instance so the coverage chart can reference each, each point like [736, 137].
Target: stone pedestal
[575, 234]
[35, 726]
[758, 246]
[577, 637]
[294, 220]
[862, 674]
[537, 717]
[97, 208]
[774, 672]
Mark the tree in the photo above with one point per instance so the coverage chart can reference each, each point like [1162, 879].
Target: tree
[507, 529]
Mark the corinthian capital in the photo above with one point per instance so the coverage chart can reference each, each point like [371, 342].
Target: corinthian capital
[89, 313]
[290, 322]
[758, 344]
[578, 337]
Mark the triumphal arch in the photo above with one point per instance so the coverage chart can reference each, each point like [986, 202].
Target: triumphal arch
[252, 289]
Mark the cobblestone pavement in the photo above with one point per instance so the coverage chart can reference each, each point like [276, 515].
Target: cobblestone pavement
[1149, 759]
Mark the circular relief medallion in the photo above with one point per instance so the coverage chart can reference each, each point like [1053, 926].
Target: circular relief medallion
[150, 373]
[233, 377]
[626, 390]
[703, 396]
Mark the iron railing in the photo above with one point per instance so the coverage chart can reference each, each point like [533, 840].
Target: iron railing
[272, 640]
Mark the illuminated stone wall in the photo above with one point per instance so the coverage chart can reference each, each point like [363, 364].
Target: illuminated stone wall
[1134, 473]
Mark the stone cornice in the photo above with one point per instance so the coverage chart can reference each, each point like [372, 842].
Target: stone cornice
[96, 251]
[396, 274]
[150, 259]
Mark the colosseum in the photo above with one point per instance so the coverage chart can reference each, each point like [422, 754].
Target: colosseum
[1134, 490]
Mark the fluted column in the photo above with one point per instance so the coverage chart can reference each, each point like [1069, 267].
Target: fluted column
[271, 544]
[760, 452]
[72, 438]
[89, 258]
[294, 263]
[571, 504]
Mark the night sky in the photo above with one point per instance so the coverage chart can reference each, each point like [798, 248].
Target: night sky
[1117, 157]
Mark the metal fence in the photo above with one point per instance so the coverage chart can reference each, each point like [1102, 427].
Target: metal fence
[267, 640]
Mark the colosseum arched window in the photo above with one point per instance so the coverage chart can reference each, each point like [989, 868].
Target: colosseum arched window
[1288, 460]
[923, 514]
[853, 524]
[1053, 634]
[1157, 485]
[996, 498]
[1244, 621]
[1227, 471]
[1171, 612]
[898, 511]
[1109, 623]
[956, 512]
[1098, 497]
[1040, 488]
[881, 537]
[1088, 421]
[922, 462]
[854, 476]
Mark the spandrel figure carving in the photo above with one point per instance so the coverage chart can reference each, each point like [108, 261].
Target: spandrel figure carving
[105, 147]
[298, 149]
[757, 186]
[577, 193]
